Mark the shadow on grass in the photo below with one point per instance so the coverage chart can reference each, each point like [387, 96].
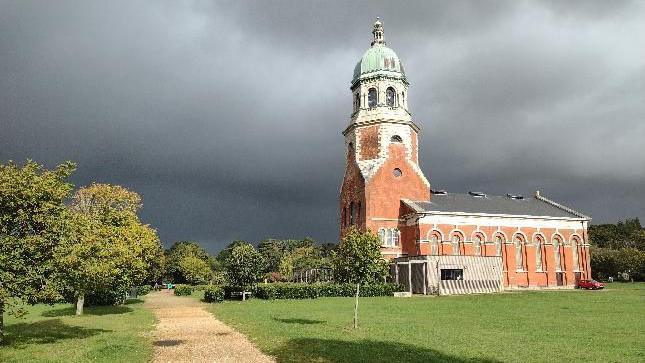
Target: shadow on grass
[299, 321]
[90, 310]
[317, 350]
[133, 301]
[46, 331]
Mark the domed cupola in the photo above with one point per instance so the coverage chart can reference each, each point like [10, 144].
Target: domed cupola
[379, 60]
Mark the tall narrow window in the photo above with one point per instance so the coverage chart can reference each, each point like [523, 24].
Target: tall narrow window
[556, 253]
[456, 241]
[358, 213]
[381, 234]
[357, 101]
[351, 213]
[371, 98]
[538, 252]
[519, 263]
[390, 97]
[498, 245]
[395, 237]
[434, 245]
[574, 254]
[477, 244]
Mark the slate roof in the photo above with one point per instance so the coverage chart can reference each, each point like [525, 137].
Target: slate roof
[538, 206]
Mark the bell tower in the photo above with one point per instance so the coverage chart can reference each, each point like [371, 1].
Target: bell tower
[381, 143]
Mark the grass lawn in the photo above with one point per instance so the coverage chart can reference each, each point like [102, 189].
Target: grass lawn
[550, 326]
[103, 334]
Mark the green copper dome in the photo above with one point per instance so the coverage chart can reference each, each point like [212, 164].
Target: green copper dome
[378, 59]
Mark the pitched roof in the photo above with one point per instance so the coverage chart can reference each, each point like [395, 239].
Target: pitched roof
[537, 206]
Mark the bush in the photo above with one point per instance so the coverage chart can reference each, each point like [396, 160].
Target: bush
[200, 287]
[143, 290]
[183, 290]
[312, 291]
[214, 293]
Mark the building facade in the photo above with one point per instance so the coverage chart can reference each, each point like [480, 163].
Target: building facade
[541, 243]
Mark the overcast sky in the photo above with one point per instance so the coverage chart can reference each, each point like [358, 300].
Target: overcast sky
[226, 116]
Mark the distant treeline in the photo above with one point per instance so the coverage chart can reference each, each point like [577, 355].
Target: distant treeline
[618, 250]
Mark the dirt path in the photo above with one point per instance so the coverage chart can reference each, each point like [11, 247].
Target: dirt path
[186, 332]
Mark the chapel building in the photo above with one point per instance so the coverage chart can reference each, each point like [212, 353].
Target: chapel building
[438, 239]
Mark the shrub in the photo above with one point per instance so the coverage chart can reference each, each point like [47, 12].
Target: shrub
[312, 291]
[183, 290]
[213, 293]
[144, 290]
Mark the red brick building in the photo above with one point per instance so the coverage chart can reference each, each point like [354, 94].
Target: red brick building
[541, 243]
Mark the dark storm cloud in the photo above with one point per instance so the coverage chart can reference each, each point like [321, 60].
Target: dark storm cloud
[226, 116]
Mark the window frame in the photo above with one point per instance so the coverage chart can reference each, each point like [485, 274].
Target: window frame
[370, 92]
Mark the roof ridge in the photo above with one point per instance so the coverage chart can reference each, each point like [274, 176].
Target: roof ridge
[559, 206]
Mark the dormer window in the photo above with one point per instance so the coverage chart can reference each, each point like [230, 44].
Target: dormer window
[371, 98]
[390, 97]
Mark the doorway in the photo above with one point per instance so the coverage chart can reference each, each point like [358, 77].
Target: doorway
[559, 278]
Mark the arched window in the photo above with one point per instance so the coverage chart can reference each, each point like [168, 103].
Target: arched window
[478, 241]
[574, 254]
[390, 96]
[434, 244]
[499, 241]
[556, 253]
[357, 101]
[539, 243]
[371, 98]
[396, 138]
[403, 98]
[519, 256]
[456, 242]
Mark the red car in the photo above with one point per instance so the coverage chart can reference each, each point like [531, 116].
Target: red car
[590, 284]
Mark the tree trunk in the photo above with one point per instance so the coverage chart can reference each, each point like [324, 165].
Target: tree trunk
[79, 304]
[1, 322]
[358, 286]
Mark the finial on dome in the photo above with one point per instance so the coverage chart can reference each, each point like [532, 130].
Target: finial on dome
[377, 31]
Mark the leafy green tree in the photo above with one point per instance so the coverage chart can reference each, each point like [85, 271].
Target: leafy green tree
[224, 254]
[194, 270]
[244, 265]
[358, 260]
[177, 253]
[272, 250]
[108, 248]
[32, 220]
[301, 259]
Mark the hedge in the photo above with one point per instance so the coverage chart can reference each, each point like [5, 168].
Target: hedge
[213, 293]
[183, 290]
[312, 291]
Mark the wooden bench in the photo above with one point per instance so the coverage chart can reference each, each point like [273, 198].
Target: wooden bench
[243, 294]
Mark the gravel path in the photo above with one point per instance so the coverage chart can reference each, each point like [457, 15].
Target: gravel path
[186, 332]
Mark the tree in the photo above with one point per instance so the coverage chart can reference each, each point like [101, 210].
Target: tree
[300, 259]
[194, 270]
[32, 219]
[108, 249]
[358, 260]
[244, 265]
[177, 253]
[272, 250]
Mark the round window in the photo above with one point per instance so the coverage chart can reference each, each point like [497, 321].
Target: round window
[397, 172]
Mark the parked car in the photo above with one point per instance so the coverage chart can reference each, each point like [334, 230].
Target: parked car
[590, 284]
